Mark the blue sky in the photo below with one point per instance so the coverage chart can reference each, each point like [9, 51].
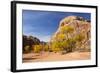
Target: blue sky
[42, 24]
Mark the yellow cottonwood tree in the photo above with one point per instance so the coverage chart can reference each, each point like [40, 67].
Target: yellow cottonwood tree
[67, 29]
[60, 37]
[56, 46]
[37, 48]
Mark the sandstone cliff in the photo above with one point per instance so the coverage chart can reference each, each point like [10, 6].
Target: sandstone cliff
[71, 27]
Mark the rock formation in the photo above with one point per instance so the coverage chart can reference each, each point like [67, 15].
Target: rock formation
[80, 26]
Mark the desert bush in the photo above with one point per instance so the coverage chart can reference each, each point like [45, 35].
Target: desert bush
[79, 37]
[26, 49]
[46, 47]
[37, 48]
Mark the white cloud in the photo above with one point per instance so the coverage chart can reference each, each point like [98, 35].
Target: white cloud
[45, 38]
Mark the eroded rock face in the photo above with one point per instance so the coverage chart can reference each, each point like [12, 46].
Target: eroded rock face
[30, 40]
[80, 25]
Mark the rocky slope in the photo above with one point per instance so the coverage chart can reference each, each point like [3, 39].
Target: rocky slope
[29, 41]
[80, 26]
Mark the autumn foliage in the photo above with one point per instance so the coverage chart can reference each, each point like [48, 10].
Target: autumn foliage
[68, 39]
